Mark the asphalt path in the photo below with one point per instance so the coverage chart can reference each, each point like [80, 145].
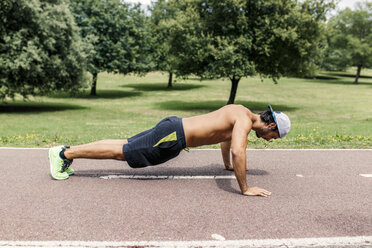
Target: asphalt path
[315, 193]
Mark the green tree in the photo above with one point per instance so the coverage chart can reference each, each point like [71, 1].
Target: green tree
[239, 38]
[118, 33]
[350, 42]
[40, 48]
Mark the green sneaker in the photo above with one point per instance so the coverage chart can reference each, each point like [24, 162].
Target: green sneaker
[58, 165]
[70, 171]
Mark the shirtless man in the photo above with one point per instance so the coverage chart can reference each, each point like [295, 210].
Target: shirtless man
[229, 126]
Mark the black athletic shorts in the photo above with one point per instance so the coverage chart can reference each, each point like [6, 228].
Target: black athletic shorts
[157, 145]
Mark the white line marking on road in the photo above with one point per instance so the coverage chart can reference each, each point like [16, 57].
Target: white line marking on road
[299, 175]
[365, 175]
[160, 177]
[272, 243]
[218, 237]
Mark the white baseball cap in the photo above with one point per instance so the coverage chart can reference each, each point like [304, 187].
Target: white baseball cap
[282, 122]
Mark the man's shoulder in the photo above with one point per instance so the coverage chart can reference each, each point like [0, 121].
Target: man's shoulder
[235, 108]
[238, 111]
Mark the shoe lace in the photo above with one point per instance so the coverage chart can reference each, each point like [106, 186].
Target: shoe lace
[66, 164]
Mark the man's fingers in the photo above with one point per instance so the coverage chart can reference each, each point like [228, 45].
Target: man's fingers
[265, 194]
[265, 191]
[257, 191]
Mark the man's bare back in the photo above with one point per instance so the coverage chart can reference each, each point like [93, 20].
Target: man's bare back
[214, 127]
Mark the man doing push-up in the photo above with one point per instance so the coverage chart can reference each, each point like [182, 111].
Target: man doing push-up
[229, 126]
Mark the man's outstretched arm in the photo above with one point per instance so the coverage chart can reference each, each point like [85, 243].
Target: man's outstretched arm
[240, 133]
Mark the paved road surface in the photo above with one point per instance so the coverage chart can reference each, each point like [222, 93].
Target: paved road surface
[316, 193]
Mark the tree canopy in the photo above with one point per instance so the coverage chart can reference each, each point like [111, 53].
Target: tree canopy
[40, 48]
[118, 33]
[350, 39]
[239, 38]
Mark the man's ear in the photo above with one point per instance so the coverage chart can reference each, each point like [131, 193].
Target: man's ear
[272, 125]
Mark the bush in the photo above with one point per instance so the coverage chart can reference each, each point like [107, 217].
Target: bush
[40, 48]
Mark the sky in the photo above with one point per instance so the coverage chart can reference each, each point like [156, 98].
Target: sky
[342, 4]
[346, 3]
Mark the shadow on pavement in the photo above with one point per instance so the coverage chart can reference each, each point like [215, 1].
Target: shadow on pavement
[226, 185]
[209, 170]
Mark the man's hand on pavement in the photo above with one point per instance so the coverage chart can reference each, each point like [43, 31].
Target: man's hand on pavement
[252, 191]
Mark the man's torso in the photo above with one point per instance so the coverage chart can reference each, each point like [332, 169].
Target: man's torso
[214, 127]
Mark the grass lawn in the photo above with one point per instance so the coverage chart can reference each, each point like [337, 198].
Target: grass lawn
[327, 112]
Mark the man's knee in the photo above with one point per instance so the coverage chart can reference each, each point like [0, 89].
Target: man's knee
[121, 155]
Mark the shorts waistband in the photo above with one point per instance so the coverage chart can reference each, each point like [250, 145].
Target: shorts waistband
[181, 132]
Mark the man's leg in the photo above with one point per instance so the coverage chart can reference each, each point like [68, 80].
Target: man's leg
[61, 157]
[103, 149]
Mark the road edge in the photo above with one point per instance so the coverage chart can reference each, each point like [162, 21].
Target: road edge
[272, 243]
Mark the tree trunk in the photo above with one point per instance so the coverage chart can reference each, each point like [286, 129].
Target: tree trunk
[234, 87]
[170, 80]
[93, 92]
[358, 74]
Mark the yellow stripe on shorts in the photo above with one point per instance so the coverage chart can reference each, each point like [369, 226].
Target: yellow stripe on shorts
[170, 137]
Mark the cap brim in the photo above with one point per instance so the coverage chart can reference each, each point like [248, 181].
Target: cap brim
[272, 113]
